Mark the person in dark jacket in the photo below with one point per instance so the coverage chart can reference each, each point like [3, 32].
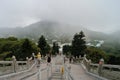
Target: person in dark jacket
[49, 59]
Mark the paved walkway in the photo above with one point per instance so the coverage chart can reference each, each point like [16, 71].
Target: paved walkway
[76, 70]
[79, 74]
[43, 73]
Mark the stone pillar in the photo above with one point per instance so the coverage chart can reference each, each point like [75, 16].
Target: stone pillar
[84, 61]
[88, 65]
[28, 63]
[14, 63]
[100, 67]
[33, 54]
[39, 73]
[48, 71]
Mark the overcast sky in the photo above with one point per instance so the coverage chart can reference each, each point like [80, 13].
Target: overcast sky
[99, 15]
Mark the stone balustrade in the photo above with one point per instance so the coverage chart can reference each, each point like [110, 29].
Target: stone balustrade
[108, 71]
[7, 67]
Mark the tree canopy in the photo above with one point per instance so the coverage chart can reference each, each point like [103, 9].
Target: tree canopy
[43, 45]
[21, 48]
[78, 44]
[55, 48]
[67, 49]
[95, 54]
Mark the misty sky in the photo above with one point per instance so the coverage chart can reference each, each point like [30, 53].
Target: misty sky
[99, 15]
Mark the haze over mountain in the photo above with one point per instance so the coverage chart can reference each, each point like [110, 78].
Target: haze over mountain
[52, 30]
[97, 15]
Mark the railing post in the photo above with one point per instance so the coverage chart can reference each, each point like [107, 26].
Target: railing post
[51, 68]
[66, 73]
[28, 65]
[84, 61]
[89, 67]
[33, 54]
[79, 58]
[39, 73]
[14, 63]
[101, 62]
[48, 70]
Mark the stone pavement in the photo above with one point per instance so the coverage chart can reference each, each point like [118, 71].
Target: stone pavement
[43, 73]
[79, 74]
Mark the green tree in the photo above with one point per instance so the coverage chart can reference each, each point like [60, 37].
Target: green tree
[66, 49]
[42, 44]
[95, 54]
[113, 59]
[78, 44]
[12, 38]
[20, 48]
[55, 48]
[25, 50]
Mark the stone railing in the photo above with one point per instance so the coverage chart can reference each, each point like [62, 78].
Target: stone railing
[106, 71]
[67, 73]
[7, 67]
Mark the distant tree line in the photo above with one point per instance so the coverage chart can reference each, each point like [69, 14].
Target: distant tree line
[22, 48]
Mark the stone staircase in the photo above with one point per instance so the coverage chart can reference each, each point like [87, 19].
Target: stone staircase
[56, 76]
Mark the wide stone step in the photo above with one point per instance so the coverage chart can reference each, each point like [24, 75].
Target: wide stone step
[56, 76]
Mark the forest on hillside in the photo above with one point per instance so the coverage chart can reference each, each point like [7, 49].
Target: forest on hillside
[22, 48]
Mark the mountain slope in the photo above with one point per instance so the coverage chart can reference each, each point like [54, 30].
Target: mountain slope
[51, 30]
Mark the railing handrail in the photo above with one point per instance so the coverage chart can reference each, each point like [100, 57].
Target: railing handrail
[69, 74]
[21, 61]
[17, 73]
[111, 66]
[101, 70]
[107, 65]
[5, 62]
[86, 59]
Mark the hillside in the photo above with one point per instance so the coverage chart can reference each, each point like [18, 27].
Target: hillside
[51, 30]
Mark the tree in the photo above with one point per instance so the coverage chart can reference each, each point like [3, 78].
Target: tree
[55, 48]
[78, 44]
[95, 54]
[21, 48]
[25, 50]
[12, 38]
[42, 44]
[113, 59]
[67, 49]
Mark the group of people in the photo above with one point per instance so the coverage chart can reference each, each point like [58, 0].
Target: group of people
[38, 58]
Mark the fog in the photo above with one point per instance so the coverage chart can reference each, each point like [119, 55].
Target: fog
[97, 15]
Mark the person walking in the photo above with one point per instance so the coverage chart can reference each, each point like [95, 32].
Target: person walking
[48, 59]
[38, 59]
